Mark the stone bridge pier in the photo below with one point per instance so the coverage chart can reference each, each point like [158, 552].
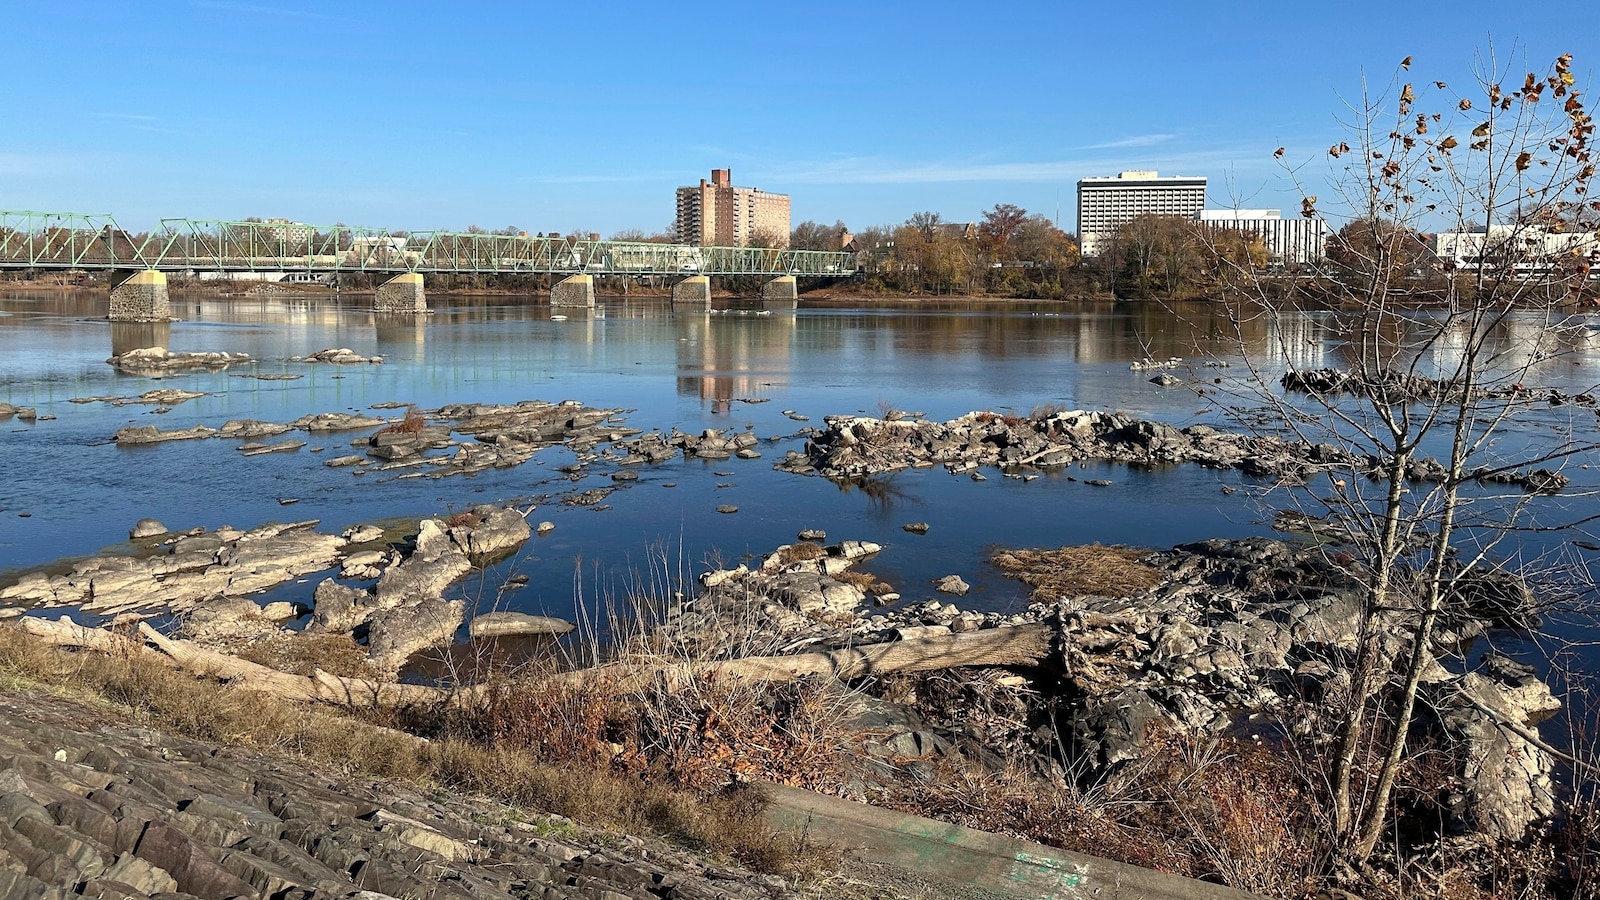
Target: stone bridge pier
[576, 291]
[140, 296]
[692, 291]
[401, 295]
[780, 292]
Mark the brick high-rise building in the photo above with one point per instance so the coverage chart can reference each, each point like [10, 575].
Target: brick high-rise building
[716, 213]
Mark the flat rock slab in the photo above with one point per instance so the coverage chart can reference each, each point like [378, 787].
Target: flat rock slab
[169, 397]
[501, 624]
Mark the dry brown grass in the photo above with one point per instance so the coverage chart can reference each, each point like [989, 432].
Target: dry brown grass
[1074, 571]
[702, 735]
[801, 552]
[1225, 811]
[303, 654]
[411, 423]
[865, 582]
[1046, 410]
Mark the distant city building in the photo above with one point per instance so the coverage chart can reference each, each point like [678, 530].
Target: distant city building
[961, 231]
[1289, 242]
[289, 232]
[717, 214]
[1524, 248]
[1106, 204]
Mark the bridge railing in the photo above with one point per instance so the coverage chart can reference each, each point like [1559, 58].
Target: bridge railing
[217, 245]
[72, 240]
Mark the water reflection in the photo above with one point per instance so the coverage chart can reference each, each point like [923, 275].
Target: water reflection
[395, 332]
[726, 357]
[127, 336]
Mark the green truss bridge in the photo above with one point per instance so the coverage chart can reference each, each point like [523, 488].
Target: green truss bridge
[56, 241]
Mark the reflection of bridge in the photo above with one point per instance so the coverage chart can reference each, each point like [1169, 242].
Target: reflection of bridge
[38, 240]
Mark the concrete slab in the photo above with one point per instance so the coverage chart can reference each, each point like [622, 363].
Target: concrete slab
[965, 863]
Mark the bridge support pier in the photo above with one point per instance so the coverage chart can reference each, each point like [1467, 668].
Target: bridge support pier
[780, 292]
[141, 297]
[402, 294]
[692, 291]
[573, 291]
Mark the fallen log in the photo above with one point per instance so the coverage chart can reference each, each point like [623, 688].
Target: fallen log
[1021, 645]
[190, 657]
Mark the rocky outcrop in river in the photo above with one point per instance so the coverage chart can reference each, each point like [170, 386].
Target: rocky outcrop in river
[158, 361]
[1403, 387]
[502, 436]
[858, 447]
[208, 577]
[183, 570]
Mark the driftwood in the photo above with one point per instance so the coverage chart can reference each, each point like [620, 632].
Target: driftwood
[193, 658]
[1022, 645]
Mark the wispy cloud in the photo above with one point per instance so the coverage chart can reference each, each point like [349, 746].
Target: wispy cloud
[256, 9]
[591, 179]
[874, 170]
[1138, 140]
[133, 117]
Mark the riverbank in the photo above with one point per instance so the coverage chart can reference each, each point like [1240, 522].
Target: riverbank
[1139, 710]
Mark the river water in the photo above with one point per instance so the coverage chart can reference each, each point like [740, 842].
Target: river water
[66, 491]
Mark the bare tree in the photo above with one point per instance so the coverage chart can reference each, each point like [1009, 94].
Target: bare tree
[1443, 374]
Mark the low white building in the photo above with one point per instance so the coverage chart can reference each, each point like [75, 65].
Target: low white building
[1289, 242]
[1527, 249]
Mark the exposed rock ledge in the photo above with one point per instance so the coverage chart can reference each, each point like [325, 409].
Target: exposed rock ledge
[161, 361]
[106, 809]
[861, 447]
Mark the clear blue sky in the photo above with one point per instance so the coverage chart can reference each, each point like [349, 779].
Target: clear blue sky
[556, 117]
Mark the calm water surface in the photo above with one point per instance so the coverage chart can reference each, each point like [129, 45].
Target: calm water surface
[670, 369]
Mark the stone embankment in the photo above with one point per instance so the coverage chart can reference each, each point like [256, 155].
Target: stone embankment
[858, 447]
[96, 808]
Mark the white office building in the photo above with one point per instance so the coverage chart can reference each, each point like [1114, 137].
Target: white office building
[1290, 242]
[1526, 249]
[1106, 204]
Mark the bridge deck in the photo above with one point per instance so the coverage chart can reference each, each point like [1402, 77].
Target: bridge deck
[42, 240]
